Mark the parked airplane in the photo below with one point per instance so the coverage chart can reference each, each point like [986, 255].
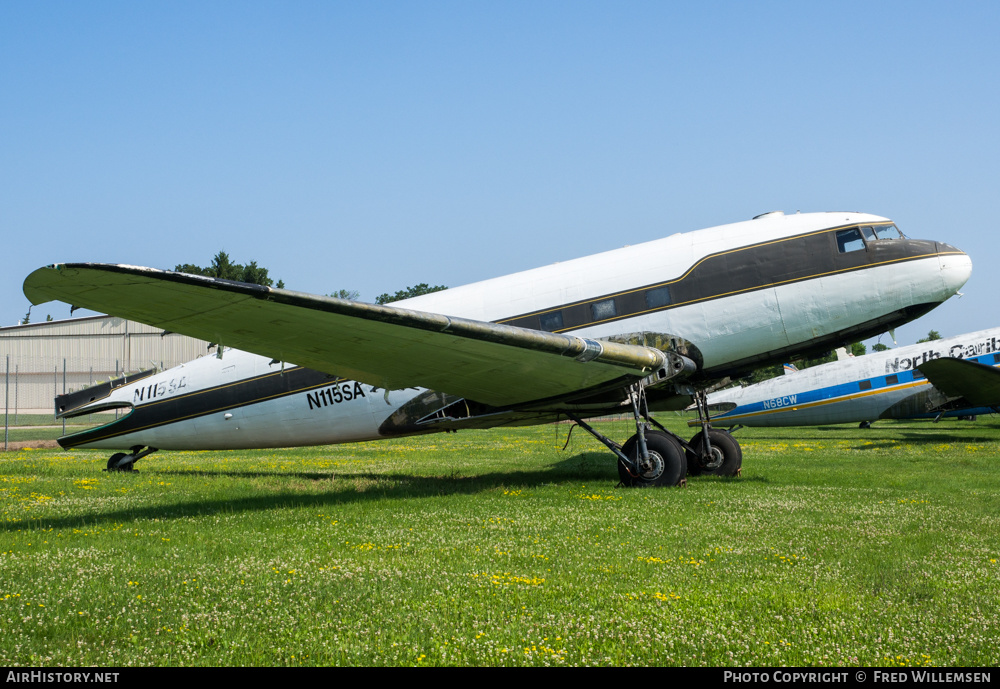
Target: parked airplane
[636, 329]
[957, 376]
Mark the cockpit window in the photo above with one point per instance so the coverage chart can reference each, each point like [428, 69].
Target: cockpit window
[850, 240]
[874, 232]
[888, 232]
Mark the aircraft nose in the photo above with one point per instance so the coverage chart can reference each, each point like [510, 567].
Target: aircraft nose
[956, 266]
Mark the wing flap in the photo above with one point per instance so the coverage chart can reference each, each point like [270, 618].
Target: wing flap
[385, 346]
[979, 384]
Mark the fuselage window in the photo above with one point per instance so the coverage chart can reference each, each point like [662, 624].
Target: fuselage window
[865, 385]
[996, 358]
[657, 297]
[850, 240]
[891, 380]
[603, 310]
[918, 374]
[551, 321]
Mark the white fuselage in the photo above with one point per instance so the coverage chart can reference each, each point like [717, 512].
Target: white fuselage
[880, 385]
[757, 321]
[323, 413]
[769, 310]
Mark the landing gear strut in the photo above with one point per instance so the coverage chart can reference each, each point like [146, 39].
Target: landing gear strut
[648, 458]
[661, 458]
[121, 461]
[712, 451]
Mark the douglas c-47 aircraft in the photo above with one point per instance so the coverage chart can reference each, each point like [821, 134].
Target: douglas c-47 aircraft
[638, 329]
[957, 376]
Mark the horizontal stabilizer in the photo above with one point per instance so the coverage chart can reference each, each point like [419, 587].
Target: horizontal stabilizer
[89, 400]
[977, 383]
[384, 346]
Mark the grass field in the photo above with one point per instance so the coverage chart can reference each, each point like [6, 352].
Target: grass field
[837, 546]
[22, 427]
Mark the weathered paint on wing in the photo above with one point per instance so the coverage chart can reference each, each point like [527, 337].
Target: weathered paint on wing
[380, 345]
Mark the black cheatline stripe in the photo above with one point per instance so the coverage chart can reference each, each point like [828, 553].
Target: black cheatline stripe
[736, 271]
[239, 393]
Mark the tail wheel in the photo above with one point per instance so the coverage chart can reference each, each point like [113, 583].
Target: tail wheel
[726, 458]
[667, 465]
[115, 462]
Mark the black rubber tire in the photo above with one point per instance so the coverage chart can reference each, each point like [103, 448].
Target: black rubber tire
[728, 455]
[667, 456]
[113, 463]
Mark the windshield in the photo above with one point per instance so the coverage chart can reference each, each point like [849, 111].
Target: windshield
[875, 232]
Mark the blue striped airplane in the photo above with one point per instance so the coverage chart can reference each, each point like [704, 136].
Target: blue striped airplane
[957, 376]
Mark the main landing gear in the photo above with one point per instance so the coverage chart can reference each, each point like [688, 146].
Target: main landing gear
[121, 461]
[661, 458]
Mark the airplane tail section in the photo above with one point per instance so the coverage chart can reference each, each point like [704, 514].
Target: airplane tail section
[96, 398]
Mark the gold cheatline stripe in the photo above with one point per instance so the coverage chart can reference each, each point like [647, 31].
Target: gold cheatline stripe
[819, 403]
[677, 279]
[729, 294]
[686, 273]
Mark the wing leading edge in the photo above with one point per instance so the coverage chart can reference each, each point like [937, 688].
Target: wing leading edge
[385, 346]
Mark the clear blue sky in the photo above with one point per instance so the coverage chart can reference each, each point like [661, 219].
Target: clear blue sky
[372, 146]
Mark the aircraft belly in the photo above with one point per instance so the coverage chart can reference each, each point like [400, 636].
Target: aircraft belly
[925, 400]
[298, 420]
[815, 308]
[339, 413]
[178, 436]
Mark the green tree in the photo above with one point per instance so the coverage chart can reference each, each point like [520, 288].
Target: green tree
[254, 274]
[931, 336]
[223, 267]
[348, 294]
[415, 291]
[879, 347]
[761, 374]
[855, 349]
[768, 372]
